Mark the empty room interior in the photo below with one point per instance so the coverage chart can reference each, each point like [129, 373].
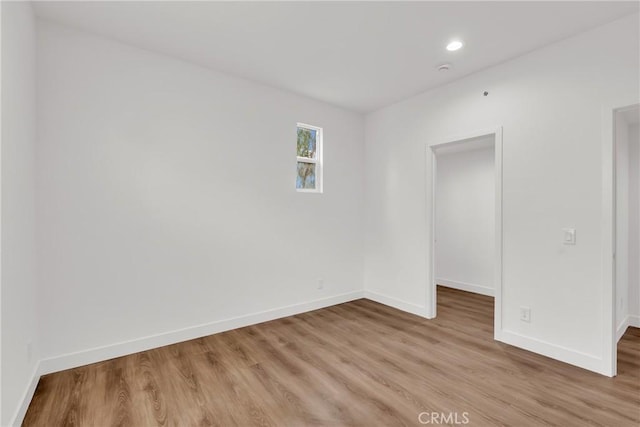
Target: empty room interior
[320, 213]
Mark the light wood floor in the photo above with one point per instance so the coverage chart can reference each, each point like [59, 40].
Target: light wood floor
[360, 364]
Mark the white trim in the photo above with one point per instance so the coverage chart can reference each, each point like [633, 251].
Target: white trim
[1, 275]
[18, 417]
[563, 354]
[609, 347]
[610, 328]
[307, 126]
[622, 328]
[498, 270]
[468, 287]
[306, 160]
[98, 354]
[431, 295]
[398, 304]
[629, 321]
[309, 190]
[432, 292]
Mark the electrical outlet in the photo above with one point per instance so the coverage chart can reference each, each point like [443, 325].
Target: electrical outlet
[569, 237]
[525, 314]
[320, 283]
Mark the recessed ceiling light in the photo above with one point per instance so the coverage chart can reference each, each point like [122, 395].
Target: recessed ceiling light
[454, 45]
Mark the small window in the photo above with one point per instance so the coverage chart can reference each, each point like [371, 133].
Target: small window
[309, 171]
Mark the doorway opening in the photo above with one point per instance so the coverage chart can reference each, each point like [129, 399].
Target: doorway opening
[626, 271]
[466, 224]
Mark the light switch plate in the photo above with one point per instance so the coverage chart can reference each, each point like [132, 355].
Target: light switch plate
[569, 236]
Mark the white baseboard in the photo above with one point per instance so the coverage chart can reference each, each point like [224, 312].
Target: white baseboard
[563, 354]
[469, 287]
[631, 320]
[622, 328]
[18, 417]
[418, 310]
[98, 354]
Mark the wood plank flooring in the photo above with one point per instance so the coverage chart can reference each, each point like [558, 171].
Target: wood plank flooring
[354, 364]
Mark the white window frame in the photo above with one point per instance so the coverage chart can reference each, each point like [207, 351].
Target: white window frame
[317, 161]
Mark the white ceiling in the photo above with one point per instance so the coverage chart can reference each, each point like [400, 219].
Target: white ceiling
[357, 55]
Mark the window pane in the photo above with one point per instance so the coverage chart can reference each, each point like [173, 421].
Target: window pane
[306, 143]
[306, 175]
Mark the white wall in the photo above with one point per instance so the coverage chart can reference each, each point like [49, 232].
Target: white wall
[550, 104]
[19, 325]
[465, 219]
[634, 225]
[622, 222]
[167, 198]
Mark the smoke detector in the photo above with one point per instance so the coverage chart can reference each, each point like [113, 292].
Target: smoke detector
[444, 67]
